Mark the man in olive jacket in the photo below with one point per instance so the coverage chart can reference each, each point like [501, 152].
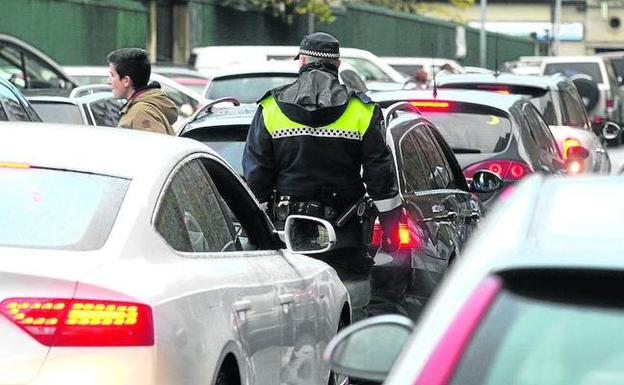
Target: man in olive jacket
[147, 108]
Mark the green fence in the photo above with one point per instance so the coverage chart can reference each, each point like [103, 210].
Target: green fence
[381, 31]
[76, 31]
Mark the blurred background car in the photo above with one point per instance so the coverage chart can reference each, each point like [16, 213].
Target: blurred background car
[504, 134]
[186, 100]
[533, 301]
[14, 106]
[524, 65]
[603, 106]
[29, 69]
[188, 77]
[377, 74]
[88, 105]
[409, 65]
[558, 101]
[86, 214]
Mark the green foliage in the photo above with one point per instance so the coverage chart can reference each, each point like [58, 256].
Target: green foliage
[453, 10]
[286, 10]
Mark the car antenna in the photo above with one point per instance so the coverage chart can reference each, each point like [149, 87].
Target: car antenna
[496, 73]
[435, 86]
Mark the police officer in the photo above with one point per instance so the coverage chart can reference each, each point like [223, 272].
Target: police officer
[312, 147]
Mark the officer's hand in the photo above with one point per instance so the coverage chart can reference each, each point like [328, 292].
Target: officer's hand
[390, 226]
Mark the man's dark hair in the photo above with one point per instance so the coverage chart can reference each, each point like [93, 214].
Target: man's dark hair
[131, 62]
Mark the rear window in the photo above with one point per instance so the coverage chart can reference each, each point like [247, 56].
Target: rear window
[550, 328]
[471, 133]
[571, 69]
[407, 69]
[55, 209]
[58, 112]
[247, 89]
[227, 141]
[369, 70]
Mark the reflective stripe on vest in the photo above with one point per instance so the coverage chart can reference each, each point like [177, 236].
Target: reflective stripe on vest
[351, 125]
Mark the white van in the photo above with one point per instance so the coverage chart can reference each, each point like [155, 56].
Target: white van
[377, 74]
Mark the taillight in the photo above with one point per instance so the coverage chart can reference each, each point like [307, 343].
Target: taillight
[505, 169]
[568, 144]
[440, 366]
[406, 233]
[81, 322]
[597, 120]
[431, 105]
[609, 103]
[574, 167]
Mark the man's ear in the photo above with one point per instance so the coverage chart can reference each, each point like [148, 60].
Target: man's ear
[126, 81]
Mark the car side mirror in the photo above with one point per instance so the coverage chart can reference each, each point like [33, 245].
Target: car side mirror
[367, 349]
[611, 130]
[484, 181]
[308, 235]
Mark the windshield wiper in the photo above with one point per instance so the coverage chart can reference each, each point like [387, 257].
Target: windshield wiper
[461, 150]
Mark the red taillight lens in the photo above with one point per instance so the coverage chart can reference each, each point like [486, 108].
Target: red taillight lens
[406, 233]
[568, 145]
[609, 103]
[506, 169]
[597, 120]
[81, 322]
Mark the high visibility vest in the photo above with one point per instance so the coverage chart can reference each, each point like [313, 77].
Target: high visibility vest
[352, 124]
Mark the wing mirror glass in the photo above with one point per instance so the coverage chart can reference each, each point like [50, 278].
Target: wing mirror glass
[611, 130]
[484, 181]
[367, 349]
[308, 235]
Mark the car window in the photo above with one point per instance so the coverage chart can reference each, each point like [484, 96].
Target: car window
[369, 70]
[573, 110]
[618, 67]
[246, 89]
[544, 103]
[571, 69]
[39, 74]
[540, 131]
[438, 176]
[106, 111]
[57, 209]
[13, 109]
[179, 98]
[471, 132]
[449, 171]
[528, 339]
[415, 171]
[58, 112]
[190, 215]
[407, 69]
[611, 75]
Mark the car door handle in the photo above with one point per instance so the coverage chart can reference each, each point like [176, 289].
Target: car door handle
[242, 305]
[449, 216]
[286, 299]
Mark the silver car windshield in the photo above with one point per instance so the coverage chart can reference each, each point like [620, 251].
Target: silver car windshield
[57, 209]
[246, 89]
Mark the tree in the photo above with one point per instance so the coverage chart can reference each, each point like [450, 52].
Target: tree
[287, 9]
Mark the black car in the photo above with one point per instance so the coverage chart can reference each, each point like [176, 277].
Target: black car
[86, 105]
[439, 210]
[504, 134]
[28, 68]
[14, 106]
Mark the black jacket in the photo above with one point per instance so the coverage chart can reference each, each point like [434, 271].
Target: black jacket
[311, 166]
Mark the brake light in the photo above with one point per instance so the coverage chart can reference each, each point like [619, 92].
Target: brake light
[568, 145]
[431, 105]
[505, 169]
[406, 233]
[609, 103]
[597, 120]
[574, 167]
[496, 88]
[14, 165]
[441, 364]
[81, 322]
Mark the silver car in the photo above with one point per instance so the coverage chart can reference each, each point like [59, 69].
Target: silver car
[535, 300]
[136, 258]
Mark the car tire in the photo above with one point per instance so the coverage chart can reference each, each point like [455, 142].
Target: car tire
[336, 379]
[589, 92]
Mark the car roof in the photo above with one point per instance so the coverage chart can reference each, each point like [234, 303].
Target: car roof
[537, 81]
[491, 99]
[417, 60]
[572, 59]
[542, 219]
[102, 150]
[88, 98]
[239, 115]
[269, 67]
